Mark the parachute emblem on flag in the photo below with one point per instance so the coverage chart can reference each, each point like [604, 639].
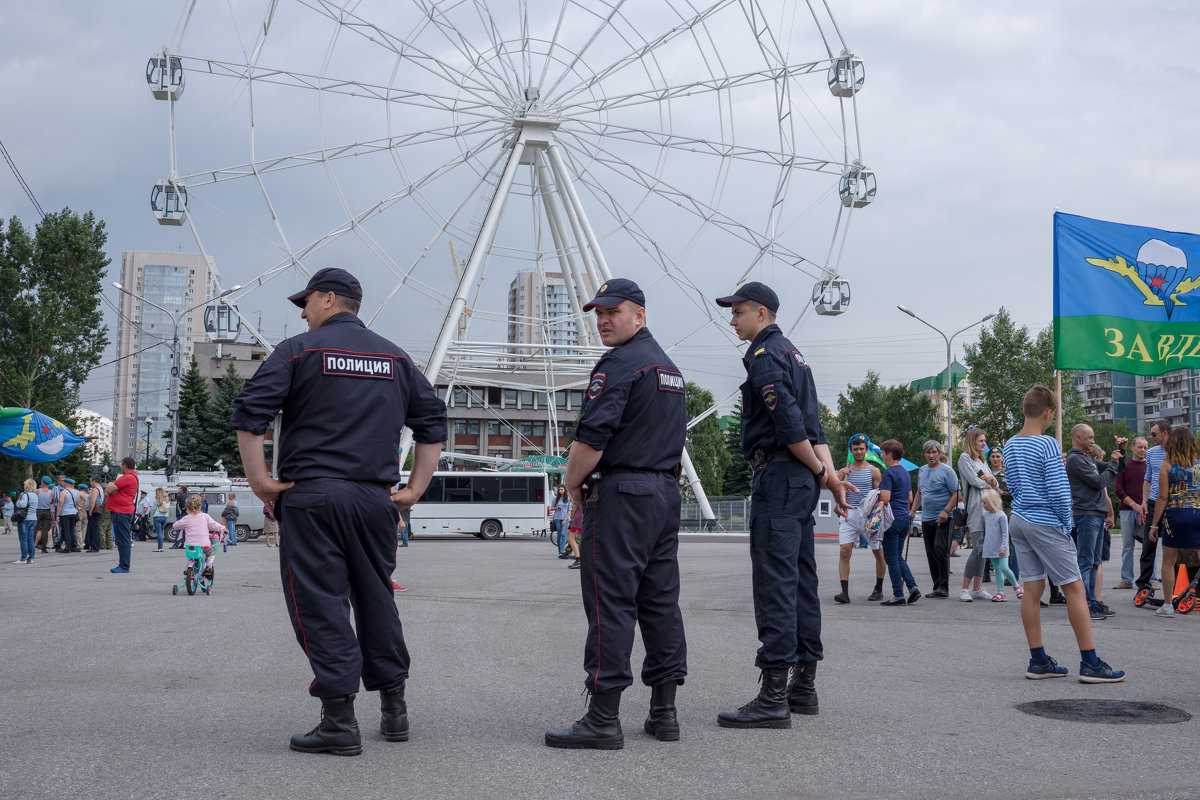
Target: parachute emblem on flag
[32, 436]
[1159, 273]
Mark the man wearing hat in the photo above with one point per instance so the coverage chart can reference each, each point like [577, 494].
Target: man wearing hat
[346, 394]
[783, 440]
[45, 513]
[627, 448]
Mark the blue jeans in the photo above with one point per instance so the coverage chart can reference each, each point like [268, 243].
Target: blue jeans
[231, 527]
[159, 524]
[893, 546]
[1089, 545]
[1128, 525]
[404, 536]
[25, 534]
[121, 523]
[560, 525]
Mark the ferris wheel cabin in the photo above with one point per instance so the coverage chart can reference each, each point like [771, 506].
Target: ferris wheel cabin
[168, 201]
[164, 76]
[846, 75]
[831, 297]
[857, 186]
[221, 323]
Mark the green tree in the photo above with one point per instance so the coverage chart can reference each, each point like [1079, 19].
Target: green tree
[50, 320]
[1003, 365]
[197, 447]
[882, 413]
[736, 480]
[708, 452]
[221, 433]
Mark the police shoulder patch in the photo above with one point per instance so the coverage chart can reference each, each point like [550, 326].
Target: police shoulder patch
[799, 359]
[669, 380]
[769, 396]
[596, 386]
[357, 365]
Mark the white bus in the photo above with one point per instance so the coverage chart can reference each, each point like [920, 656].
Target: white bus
[486, 504]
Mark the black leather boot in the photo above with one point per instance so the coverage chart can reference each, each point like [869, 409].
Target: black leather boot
[768, 710]
[802, 695]
[393, 719]
[337, 733]
[600, 728]
[662, 723]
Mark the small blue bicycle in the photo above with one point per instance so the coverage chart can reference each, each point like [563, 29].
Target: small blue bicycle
[195, 576]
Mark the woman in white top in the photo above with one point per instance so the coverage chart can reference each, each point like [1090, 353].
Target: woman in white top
[975, 477]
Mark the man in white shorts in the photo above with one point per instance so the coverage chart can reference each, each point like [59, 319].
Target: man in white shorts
[864, 477]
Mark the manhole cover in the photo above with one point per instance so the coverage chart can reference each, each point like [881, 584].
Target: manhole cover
[1112, 712]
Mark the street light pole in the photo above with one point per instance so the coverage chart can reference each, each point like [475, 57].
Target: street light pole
[949, 362]
[149, 425]
[173, 391]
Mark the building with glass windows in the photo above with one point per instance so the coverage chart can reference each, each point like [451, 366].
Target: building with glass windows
[539, 311]
[176, 282]
[1116, 396]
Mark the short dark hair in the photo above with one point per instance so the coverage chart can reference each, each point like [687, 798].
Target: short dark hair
[128, 462]
[1162, 425]
[347, 303]
[893, 449]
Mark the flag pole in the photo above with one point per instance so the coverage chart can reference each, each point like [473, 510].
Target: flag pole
[1058, 399]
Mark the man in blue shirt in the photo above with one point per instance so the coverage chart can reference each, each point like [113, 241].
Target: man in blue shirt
[783, 440]
[346, 393]
[627, 447]
[937, 495]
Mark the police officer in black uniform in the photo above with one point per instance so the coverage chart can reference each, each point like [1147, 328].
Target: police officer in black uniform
[627, 447]
[783, 439]
[346, 393]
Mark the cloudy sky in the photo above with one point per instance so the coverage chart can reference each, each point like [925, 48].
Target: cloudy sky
[979, 121]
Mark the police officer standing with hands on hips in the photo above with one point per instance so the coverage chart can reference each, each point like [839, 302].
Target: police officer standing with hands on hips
[346, 393]
[785, 444]
[627, 448]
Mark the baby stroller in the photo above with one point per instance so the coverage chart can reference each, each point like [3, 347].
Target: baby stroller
[196, 576]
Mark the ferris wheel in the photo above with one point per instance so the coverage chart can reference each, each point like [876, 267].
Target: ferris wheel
[441, 148]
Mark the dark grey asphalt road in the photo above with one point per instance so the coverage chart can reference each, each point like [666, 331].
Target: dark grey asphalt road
[112, 688]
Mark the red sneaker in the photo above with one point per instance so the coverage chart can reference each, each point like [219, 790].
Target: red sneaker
[398, 587]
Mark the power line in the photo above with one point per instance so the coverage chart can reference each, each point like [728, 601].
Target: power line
[21, 180]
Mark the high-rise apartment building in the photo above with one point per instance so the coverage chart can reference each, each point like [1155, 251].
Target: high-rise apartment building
[1112, 396]
[176, 282]
[92, 424]
[539, 311]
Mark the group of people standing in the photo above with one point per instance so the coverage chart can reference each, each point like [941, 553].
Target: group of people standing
[52, 514]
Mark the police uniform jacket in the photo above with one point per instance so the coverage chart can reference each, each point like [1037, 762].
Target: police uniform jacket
[346, 394]
[634, 408]
[779, 397]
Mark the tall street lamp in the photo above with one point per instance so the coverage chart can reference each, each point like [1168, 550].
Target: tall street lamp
[173, 400]
[949, 361]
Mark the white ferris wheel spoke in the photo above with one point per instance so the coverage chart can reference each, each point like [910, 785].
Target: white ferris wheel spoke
[685, 26]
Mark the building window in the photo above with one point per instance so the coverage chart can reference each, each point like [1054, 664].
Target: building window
[510, 398]
[460, 395]
[466, 427]
[497, 428]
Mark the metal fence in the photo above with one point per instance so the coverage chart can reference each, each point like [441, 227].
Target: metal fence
[732, 515]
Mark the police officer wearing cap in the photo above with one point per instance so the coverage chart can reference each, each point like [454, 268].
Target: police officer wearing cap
[783, 439]
[627, 448]
[346, 393]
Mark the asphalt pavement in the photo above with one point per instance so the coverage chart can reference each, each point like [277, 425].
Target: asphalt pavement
[110, 687]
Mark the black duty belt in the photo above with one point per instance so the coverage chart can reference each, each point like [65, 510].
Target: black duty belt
[763, 456]
[670, 473]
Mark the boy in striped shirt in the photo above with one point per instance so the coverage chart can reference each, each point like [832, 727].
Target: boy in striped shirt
[1040, 533]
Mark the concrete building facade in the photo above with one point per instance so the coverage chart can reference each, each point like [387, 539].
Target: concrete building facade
[175, 281]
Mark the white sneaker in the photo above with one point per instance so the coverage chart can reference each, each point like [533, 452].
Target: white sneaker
[965, 596]
[1165, 610]
[980, 594]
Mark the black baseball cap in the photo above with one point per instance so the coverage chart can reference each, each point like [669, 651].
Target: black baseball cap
[330, 279]
[615, 292]
[758, 292]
